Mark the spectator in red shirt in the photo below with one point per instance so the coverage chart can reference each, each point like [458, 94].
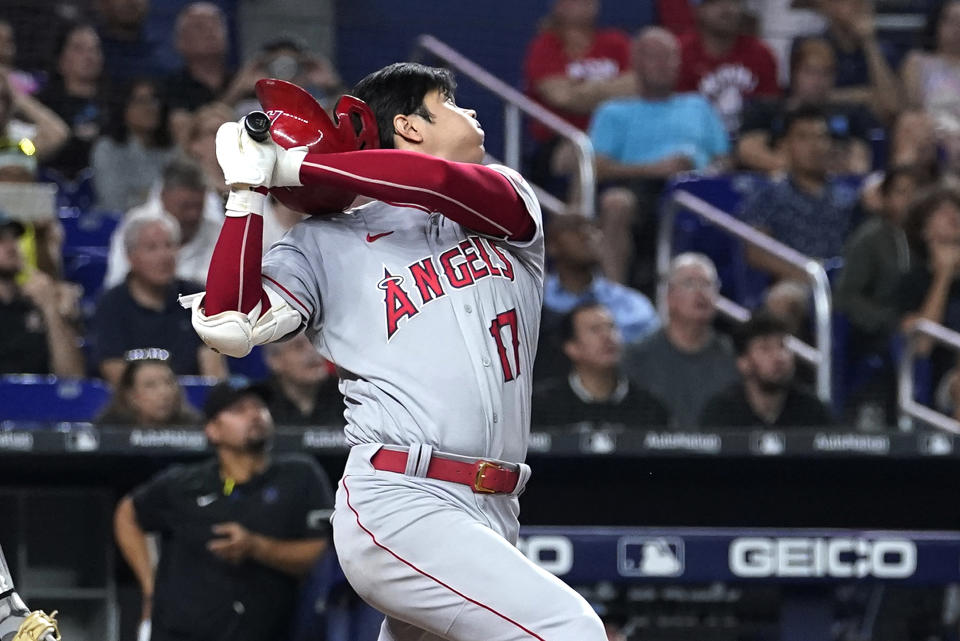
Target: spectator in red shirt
[571, 67]
[724, 64]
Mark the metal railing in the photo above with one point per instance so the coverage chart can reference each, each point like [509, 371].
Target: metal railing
[909, 408]
[515, 103]
[819, 355]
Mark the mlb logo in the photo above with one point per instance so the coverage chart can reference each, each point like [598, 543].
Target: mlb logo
[768, 443]
[82, 440]
[660, 556]
[936, 444]
[599, 442]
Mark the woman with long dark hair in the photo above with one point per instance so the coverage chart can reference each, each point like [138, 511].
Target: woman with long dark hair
[130, 157]
[148, 393]
[77, 94]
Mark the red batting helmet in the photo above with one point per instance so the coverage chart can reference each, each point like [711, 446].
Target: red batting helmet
[298, 120]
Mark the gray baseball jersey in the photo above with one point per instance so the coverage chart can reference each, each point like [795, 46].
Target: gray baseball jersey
[433, 327]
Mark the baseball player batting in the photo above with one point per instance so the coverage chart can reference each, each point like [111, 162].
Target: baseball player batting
[17, 622]
[428, 299]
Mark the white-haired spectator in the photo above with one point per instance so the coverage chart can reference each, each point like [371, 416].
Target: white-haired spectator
[143, 312]
[181, 199]
[685, 362]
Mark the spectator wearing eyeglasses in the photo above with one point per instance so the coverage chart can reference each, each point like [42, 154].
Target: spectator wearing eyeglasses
[685, 362]
[148, 394]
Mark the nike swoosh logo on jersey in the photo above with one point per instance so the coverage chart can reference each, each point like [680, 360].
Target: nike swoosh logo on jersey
[206, 499]
[373, 237]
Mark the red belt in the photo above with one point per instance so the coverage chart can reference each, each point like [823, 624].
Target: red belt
[483, 476]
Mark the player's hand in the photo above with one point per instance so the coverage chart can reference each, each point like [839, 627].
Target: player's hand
[236, 544]
[244, 161]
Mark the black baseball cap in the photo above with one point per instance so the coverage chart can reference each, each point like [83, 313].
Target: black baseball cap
[9, 223]
[225, 394]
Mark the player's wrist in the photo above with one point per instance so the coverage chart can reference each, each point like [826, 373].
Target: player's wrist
[286, 171]
[241, 202]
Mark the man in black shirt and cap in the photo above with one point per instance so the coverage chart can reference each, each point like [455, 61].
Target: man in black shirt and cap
[237, 532]
[767, 396]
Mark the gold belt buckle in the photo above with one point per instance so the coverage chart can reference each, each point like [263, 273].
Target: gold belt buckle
[478, 479]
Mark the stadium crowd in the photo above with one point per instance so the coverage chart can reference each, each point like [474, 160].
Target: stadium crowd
[850, 141]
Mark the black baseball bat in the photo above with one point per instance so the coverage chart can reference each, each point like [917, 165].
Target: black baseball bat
[257, 125]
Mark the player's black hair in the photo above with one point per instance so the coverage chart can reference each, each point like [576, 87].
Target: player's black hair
[891, 174]
[400, 89]
[803, 113]
[568, 328]
[761, 324]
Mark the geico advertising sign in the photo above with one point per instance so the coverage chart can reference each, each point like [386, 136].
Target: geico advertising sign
[759, 557]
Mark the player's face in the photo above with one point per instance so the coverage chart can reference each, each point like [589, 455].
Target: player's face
[768, 362]
[154, 394]
[596, 343]
[245, 426]
[154, 258]
[692, 295]
[454, 133]
[298, 362]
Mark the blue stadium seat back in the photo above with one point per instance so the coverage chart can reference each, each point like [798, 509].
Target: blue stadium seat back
[87, 228]
[840, 372]
[739, 282]
[879, 148]
[86, 266]
[922, 372]
[252, 366]
[32, 397]
[328, 608]
[852, 373]
[196, 388]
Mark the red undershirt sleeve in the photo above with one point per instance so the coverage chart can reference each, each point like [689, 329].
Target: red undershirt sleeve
[475, 196]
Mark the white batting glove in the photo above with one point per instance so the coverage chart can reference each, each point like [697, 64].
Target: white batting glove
[286, 172]
[244, 161]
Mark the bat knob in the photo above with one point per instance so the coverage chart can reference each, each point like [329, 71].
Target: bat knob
[257, 125]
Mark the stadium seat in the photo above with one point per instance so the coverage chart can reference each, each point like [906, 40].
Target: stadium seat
[30, 397]
[727, 193]
[196, 388]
